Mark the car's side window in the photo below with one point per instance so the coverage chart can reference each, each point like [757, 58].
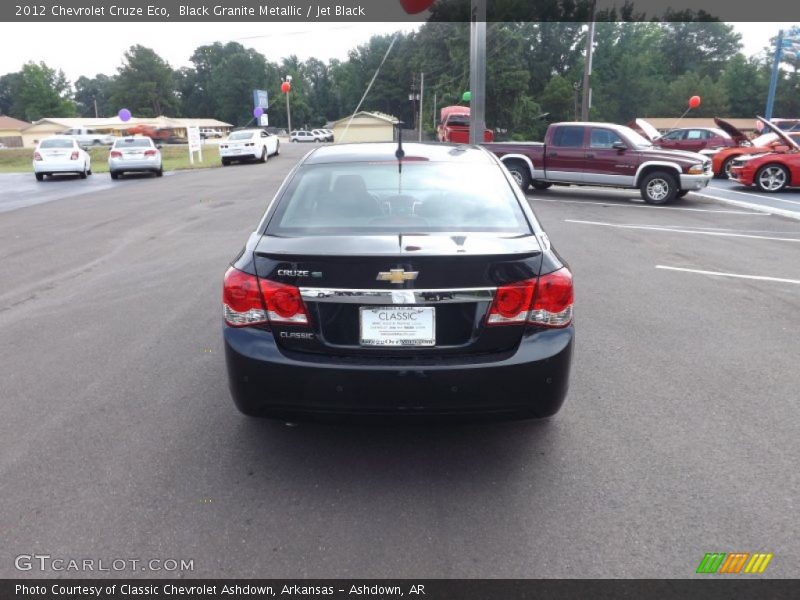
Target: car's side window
[695, 134]
[568, 136]
[603, 138]
[674, 135]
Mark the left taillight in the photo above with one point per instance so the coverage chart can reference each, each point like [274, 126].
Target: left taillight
[248, 300]
[546, 302]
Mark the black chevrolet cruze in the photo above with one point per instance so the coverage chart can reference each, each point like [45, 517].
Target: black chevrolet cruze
[398, 280]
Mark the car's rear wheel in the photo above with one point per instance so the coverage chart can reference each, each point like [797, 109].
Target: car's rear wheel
[541, 185]
[160, 172]
[83, 174]
[294, 141]
[519, 171]
[114, 174]
[39, 176]
[225, 162]
[772, 178]
[277, 149]
[263, 158]
[659, 187]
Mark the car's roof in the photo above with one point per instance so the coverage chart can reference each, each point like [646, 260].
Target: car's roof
[385, 151]
[248, 130]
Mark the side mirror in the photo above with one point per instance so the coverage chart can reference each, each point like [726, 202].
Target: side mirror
[619, 145]
[159, 146]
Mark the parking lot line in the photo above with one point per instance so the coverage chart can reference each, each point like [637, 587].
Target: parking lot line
[792, 214]
[771, 198]
[676, 230]
[736, 275]
[762, 213]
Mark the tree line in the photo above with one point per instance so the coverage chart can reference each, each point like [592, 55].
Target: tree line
[640, 69]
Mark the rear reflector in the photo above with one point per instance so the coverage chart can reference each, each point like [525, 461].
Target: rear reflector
[248, 300]
[546, 302]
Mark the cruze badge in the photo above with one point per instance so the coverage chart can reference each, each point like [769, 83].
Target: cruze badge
[397, 276]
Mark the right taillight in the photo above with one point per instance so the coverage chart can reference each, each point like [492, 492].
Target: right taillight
[546, 302]
[248, 300]
[37, 156]
[552, 303]
[116, 154]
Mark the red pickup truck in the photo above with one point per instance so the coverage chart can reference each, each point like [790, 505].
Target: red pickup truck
[604, 154]
[454, 126]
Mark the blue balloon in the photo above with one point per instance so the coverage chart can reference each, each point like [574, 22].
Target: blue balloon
[258, 111]
[124, 115]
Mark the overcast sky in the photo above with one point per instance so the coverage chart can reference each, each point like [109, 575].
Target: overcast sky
[91, 48]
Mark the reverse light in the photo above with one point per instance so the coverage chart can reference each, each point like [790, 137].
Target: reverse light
[248, 300]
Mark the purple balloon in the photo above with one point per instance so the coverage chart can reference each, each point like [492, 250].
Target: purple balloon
[258, 111]
[124, 115]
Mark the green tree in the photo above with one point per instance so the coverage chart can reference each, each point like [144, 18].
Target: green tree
[9, 83]
[145, 84]
[701, 47]
[95, 90]
[39, 91]
[745, 86]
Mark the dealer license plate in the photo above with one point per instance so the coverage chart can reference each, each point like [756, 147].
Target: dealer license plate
[398, 326]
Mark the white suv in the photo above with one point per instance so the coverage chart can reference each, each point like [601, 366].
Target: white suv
[303, 136]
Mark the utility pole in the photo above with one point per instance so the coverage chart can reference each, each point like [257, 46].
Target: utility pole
[288, 111]
[421, 98]
[587, 68]
[434, 112]
[773, 80]
[477, 71]
[95, 108]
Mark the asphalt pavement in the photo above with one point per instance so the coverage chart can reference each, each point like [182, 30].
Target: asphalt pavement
[118, 438]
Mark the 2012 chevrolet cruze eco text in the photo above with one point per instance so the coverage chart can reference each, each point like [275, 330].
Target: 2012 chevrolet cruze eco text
[387, 279]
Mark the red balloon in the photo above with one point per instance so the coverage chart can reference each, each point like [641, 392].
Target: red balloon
[286, 87]
[413, 7]
[694, 101]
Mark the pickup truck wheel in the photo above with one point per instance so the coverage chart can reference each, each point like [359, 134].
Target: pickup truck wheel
[519, 171]
[658, 187]
[772, 178]
[541, 185]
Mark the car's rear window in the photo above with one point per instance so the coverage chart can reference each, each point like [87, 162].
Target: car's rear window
[56, 144]
[241, 135]
[366, 198]
[133, 143]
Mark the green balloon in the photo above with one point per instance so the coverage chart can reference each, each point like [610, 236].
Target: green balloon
[466, 96]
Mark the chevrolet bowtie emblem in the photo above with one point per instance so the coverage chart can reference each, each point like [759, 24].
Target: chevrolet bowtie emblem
[397, 275]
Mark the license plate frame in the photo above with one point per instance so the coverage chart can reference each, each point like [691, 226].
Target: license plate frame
[398, 332]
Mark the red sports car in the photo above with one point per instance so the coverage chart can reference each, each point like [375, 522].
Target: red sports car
[771, 171]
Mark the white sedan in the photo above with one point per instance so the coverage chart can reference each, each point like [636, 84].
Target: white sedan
[60, 155]
[136, 154]
[249, 144]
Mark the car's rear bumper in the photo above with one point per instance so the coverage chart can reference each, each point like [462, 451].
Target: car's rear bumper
[61, 166]
[129, 165]
[249, 155]
[531, 381]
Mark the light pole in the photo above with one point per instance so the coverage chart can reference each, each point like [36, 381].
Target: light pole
[788, 46]
[587, 69]
[288, 80]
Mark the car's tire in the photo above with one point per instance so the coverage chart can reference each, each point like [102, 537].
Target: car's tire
[519, 171]
[263, 157]
[725, 169]
[772, 178]
[39, 176]
[114, 174]
[160, 172]
[225, 162]
[294, 141]
[541, 185]
[277, 149]
[83, 174]
[659, 187]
